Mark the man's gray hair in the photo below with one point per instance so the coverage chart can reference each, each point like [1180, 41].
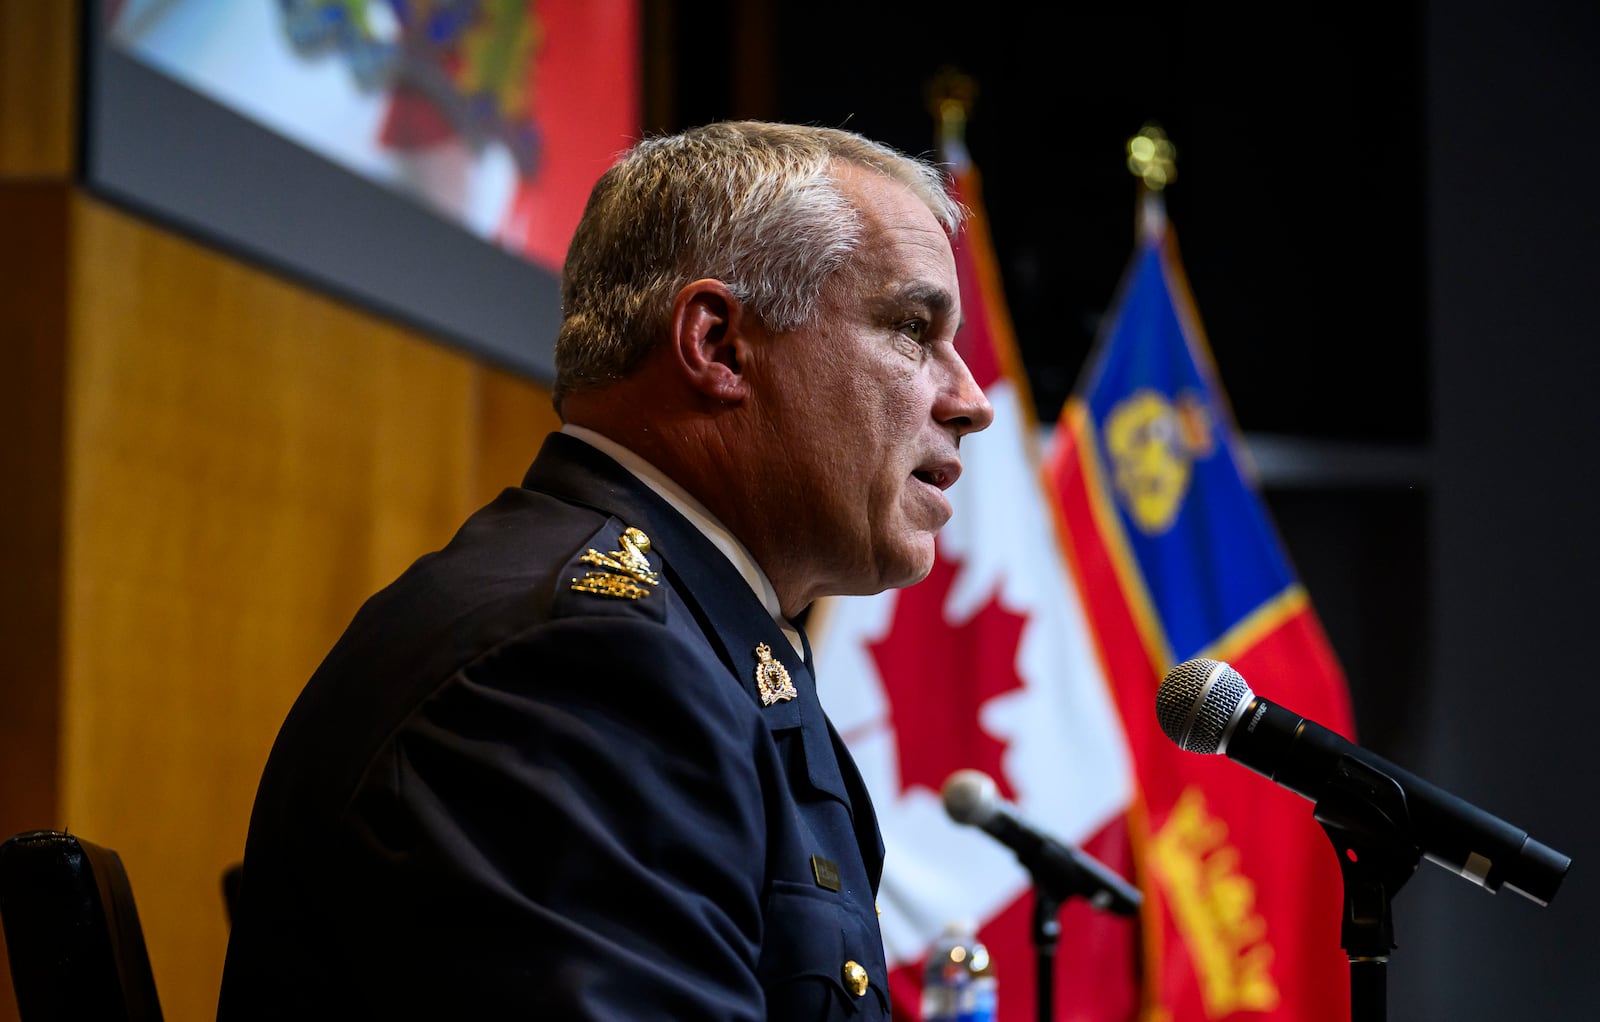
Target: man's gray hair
[753, 204]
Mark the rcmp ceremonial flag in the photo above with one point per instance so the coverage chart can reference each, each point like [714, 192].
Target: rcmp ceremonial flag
[1178, 558]
[987, 664]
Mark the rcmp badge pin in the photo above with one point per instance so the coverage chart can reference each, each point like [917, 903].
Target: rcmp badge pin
[772, 678]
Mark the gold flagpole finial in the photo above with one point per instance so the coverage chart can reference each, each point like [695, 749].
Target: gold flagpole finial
[950, 95]
[1152, 158]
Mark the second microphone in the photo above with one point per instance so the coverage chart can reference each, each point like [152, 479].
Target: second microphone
[970, 797]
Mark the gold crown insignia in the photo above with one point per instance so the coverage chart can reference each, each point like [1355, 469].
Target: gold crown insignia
[1214, 906]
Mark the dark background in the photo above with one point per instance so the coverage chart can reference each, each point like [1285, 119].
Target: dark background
[1385, 214]
[1300, 160]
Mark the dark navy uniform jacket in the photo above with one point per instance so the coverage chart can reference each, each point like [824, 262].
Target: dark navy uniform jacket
[502, 795]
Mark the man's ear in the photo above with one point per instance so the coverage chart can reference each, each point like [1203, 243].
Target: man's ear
[709, 340]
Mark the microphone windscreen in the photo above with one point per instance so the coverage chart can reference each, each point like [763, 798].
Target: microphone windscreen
[969, 797]
[1197, 701]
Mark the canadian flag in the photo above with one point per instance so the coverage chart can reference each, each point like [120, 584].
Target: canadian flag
[988, 664]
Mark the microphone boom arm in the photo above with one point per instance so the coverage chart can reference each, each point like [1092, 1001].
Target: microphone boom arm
[1060, 875]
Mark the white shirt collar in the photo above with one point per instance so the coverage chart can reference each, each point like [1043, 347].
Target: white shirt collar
[703, 520]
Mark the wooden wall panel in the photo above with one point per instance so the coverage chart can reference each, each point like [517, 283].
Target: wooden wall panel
[246, 463]
[38, 87]
[38, 83]
[33, 275]
[513, 416]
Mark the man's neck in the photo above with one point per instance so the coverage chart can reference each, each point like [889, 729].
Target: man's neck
[697, 513]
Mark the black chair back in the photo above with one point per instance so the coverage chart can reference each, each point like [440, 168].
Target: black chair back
[73, 937]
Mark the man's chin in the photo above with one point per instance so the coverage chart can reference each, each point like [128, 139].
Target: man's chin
[904, 566]
[916, 566]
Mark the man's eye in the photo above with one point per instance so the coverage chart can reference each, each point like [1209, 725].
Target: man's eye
[916, 329]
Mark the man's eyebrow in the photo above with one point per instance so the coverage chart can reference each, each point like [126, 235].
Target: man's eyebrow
[929, 296]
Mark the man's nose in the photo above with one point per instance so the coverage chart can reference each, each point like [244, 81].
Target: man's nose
[965, 406]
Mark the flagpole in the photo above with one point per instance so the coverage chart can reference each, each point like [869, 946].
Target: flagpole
[951, 95]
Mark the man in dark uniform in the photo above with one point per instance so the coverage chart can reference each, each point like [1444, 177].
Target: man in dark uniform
[573, 766]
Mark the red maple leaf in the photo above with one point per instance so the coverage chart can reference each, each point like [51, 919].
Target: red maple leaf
[937, 674]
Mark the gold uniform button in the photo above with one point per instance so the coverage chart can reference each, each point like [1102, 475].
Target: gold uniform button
[855, 978]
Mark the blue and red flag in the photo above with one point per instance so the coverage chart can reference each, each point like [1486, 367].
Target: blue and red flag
[1177, 557]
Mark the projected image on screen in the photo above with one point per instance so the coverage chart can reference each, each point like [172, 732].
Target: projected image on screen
[496, 115]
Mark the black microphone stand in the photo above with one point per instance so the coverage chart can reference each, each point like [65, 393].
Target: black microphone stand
[1362, 810]
[1050, 889]
[1046, 934]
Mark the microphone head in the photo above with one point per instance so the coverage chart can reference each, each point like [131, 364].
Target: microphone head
[970, 797]
[1197, 703]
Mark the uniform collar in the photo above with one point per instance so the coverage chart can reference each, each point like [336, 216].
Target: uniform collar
[699, 516]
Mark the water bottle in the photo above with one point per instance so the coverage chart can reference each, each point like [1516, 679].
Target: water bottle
[958, 983]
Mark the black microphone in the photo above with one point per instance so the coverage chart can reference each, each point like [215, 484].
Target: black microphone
[970, 797]
[1206, 707]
